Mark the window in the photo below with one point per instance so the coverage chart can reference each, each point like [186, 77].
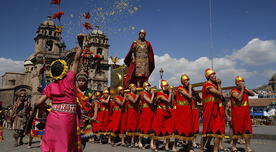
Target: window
[99, 86]
[99, 51]
[12, 82]
[49, 45]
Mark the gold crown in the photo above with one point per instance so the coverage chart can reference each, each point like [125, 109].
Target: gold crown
[184, 77]
[142, 31]
[239, 78]
[105, 91]
[97, 94]
[131, 85]
[120, 88]
[145, 84]
[164, 83]
[208, 72]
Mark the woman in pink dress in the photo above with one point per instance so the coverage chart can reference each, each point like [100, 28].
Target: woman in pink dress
[61, 130]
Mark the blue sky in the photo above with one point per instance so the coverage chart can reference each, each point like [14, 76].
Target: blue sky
[177, 29]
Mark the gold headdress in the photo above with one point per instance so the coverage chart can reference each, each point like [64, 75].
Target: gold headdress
[184, 77]
[64, 72]
[209, 72]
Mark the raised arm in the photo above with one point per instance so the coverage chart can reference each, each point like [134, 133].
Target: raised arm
[165, 99]
[148, 100]
[76, 60]
[118, 102]
[133, 100]
[186, 94]
[41, 100]
[216, 92]
[105, 101]
[250, 92]
[95, 111]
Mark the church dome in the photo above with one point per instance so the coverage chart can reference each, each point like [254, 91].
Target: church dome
[48, 22]
[273, 77]
[97, 31]
[28, 62]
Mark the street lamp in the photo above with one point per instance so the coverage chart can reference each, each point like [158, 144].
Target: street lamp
[161, 71]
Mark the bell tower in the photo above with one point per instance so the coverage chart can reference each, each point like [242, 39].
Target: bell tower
[48, 39]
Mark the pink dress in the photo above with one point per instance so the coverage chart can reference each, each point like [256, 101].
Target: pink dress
[61, 127]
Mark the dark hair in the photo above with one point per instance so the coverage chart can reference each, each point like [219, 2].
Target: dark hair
[57, 68]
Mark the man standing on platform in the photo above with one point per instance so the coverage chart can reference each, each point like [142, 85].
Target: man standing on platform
[240, 112]
[140, 61]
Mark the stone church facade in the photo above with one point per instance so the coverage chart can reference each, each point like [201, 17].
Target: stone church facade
[48, 46]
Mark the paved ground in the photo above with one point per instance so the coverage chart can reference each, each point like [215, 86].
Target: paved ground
[258, 145]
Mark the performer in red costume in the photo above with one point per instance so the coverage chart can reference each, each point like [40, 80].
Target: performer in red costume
[140, 61]
[147, 113]
[183, 117]
[105, 101]
[97, 126]
[213, 111]
[123, 124]
[162, 123]
[132, 113]
[114, 125]
[240, 112]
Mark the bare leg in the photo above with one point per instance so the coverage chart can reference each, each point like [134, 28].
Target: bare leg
[190, 149]
[174, 145]
[247, 144]
[30, 141]
[216, 144]
[123, 141]
[167, 142]
[234, 145]
[221, 144]
[140, 142]
[194, 142]
[202, 143]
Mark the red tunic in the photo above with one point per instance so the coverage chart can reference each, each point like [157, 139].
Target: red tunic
[114, 125]
[132, 116]
[162, 123]
[105, 119]
[213, 113]
[241, 122]
[183, 121]
[146, 116]
[195, 117]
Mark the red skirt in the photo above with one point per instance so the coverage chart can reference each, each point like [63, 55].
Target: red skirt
[132, 121]
[97, 127]
[105, 121]
[213, 120]
[162, 124]
[183, 123]
[114, 124]
[123, 123]
[195, 120]
[145, 122]
[241, 122]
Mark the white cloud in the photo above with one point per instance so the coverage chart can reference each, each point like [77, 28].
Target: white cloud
[225, 68]
[257, 52]
[9, 65]
[268, 73]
